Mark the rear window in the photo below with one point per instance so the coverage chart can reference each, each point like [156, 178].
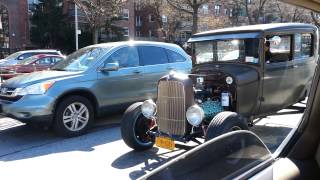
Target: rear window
[175, 57]
[153, 55]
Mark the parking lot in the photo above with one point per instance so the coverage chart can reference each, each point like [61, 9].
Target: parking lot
[39, 154]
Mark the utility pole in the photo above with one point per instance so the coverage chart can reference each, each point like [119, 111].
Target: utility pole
[76, 24]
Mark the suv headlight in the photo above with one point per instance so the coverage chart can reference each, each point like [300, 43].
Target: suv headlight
[195, 115]
[149, 108]
[39, 88]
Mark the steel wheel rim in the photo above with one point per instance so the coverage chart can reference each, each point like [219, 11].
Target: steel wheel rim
[141, 136]
[76, 116]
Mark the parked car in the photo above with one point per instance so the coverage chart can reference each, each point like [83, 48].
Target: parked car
[239, 74]
[21, 55]
[90, 82]
[38, 62]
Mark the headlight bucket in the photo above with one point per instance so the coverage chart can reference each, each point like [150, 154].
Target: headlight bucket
[149, 108]
[34, 89]
[195, 115]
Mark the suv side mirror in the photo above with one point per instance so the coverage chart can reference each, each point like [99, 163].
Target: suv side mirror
[110, 67]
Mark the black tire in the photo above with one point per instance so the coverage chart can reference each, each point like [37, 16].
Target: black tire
[225, 122]
[131, 123]
[60, 128]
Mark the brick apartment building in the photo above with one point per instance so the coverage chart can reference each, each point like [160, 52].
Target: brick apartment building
[14, 26]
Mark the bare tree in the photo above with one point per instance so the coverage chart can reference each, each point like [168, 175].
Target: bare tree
[97, 12]
[190, 7]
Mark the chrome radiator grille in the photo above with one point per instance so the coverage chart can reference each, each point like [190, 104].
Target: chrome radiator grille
[171, 108]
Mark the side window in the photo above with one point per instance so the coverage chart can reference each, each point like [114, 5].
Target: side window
[303, 45]
[44, 61]
[55, 59]
[126, 57]
[276, 52]
[175, 57]
[153, 55]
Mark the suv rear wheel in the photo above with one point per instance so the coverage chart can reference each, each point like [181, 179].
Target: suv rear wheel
[73, 116]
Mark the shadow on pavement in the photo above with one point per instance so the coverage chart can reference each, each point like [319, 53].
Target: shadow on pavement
[151, 159]
[30, 141]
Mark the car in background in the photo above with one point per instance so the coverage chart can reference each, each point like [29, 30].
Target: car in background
[90, 82]
[38, 62]
[21, 55]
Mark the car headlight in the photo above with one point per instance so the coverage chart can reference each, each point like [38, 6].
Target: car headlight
[149, 108]
[195, 115]
[39, 88]
[229, 80]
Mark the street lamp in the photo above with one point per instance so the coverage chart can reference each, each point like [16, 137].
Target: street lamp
[76, 24]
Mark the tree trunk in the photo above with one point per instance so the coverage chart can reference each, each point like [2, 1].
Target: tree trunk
[195, 21]
[94, 35]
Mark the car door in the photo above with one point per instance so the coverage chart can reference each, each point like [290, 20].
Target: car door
[278, 78]
[303, 63]
[42, 64]
[155, 65]
[122, 86]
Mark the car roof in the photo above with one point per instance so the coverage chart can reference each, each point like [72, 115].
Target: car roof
[131, 42]
[257, 28]
[39, 50]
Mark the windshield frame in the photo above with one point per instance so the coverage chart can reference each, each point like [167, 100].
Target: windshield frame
[259, 50]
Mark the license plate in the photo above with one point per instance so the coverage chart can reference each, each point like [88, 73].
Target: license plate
[165, 142]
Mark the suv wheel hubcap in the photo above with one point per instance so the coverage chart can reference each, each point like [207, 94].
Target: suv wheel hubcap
[75, 116]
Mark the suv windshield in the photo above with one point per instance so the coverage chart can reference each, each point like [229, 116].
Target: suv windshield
[243, 50]
[82, 59]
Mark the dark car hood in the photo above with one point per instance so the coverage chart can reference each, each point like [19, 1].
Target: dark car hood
[241, 72]
[36, 77]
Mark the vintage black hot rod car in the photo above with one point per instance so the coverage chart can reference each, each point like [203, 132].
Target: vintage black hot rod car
[238, 74]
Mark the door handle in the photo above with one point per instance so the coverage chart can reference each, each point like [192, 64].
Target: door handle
[170, 68]
[136, 72]
[295, 66]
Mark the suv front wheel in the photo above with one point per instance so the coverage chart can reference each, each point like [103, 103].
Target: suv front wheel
[73, 116]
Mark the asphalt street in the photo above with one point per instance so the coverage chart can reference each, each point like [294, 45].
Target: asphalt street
[27, 153]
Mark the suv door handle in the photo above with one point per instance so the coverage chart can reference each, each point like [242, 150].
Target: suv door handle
[170, 68]
[136, 71]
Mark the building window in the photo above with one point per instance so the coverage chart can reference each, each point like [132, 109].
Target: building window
[164, 19]
[138, 33]
[249, 1]
[137, 5]
[126, 31]
[217, 9]
[230, 12]
[151, 18]
[125, 14]
[205, 9]
[150, 34]
[138, 21]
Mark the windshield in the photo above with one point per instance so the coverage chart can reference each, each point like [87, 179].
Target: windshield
[243, 50]
[13, 56]
[81, 60]
[28, 60]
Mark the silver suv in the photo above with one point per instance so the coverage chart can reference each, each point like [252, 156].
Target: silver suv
[90, 82]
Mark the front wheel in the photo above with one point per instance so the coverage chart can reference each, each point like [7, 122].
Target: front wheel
[225, 122]
[73, 116]
[134, 128]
